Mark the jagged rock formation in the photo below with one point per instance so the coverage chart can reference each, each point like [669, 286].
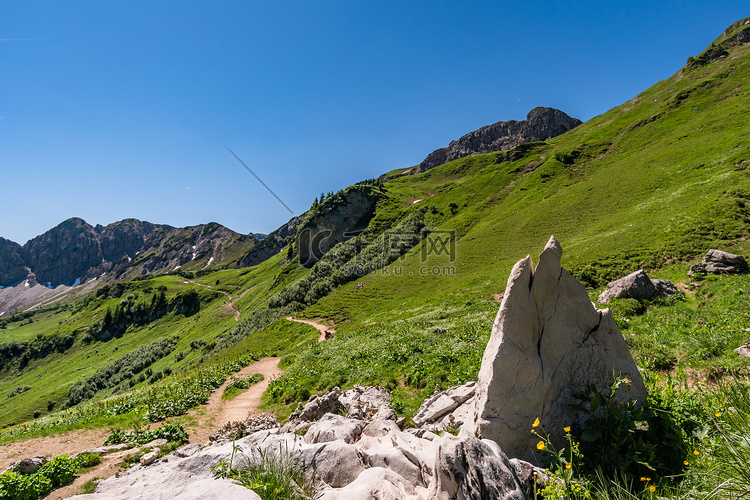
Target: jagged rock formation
[349, 458]
[548, 343]
[75, 251]
[338, 218]
[540, 124]
[637, 285]
[12, 266]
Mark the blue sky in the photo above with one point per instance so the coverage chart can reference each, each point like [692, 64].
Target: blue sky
[122, 109]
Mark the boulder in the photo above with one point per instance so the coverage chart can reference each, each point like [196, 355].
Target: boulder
[467, 468]
[149, 458]
[27, 465]
[637, 285]
[442, 403]
[374, 483]
[317, 406]
[548, 343]
[718, 262]
[332, 427]
[367, 403]
[255, 422]
[744, 350]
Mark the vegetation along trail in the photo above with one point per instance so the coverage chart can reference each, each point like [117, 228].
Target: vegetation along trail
[315, 324]
[229, 308]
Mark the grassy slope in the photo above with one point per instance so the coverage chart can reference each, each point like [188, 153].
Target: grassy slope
[652, 183]
[640, 195]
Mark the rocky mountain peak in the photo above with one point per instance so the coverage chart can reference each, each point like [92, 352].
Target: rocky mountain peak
[540, 124]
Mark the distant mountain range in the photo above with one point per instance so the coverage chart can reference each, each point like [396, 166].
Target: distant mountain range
[75, 251]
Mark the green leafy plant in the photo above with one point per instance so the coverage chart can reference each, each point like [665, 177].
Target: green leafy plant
[172, 432]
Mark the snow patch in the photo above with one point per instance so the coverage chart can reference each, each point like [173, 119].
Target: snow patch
[102, 275]
[3, 312]
[176, 268]
[416, 201]
[193, 247]
[26, 283]
[194, 254]
[209, 261]
[129, 259]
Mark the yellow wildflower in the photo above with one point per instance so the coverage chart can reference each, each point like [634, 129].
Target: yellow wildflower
[536, 422]
[643, 478]
[652, 488]
[568, 466]
[717, 414]
[567, 429]
[696, 453]
[648, 479]
[540, 445]
[686, 462]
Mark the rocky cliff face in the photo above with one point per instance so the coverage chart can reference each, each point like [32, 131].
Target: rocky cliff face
[12, 266]
[540, 124]
[75, 251]
[339, 218]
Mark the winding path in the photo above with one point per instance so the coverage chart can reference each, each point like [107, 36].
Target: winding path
[201, 422]
[315, 324]
[229, 308]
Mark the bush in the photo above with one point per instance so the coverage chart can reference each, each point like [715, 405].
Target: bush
[172, 432]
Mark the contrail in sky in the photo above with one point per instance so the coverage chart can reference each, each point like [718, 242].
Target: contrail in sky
[264, 184]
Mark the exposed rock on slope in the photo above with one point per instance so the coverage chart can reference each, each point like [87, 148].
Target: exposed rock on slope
[637, 285]
[337, 219]
[718, 262]
[548, 342]
[540, 124]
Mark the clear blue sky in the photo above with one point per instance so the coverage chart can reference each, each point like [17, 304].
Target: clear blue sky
[121, 109]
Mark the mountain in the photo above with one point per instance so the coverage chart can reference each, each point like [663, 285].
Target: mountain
[540, 124]
[76, 251]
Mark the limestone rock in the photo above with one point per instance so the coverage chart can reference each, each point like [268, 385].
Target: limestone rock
[718, 262]
[149, 458]
[637, 285]
[256, 421]
[27, 465]
[187, 450]
[317, 406]
[332, 427]
[548, 342]
[468, 468]
[367, 403]
[442, 403]
[744, 350]
[373, 483]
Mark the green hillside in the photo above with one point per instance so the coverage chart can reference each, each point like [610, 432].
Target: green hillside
[653, 184]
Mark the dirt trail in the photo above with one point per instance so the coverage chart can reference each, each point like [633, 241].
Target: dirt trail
[239, 407]
[229, 308]
[205, 419]
[315, 324]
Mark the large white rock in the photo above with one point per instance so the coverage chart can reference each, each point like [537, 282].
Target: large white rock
[548, 342]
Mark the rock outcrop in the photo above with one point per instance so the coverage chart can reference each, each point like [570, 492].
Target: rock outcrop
[348, 458]
[540, 124]
[548, 343]
[639, 286]
[718, 262]
[338, 218]
[450, 408]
